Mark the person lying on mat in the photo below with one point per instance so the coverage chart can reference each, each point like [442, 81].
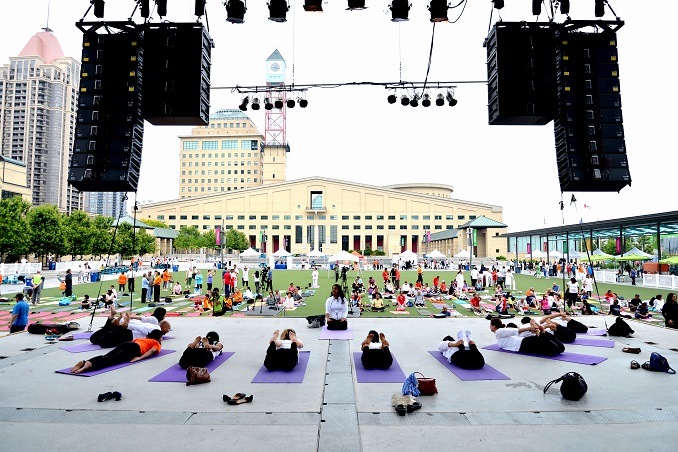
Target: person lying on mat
[201, 351]
[336, 309]
[509, 338]
[120, 329]
[463, 352]
[565, 320]
[154, 319]
[131, 351]
[283, 350]
[376, 354]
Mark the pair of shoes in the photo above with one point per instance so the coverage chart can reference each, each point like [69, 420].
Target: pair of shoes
[635, 365]
[414, 407]
[239, 395]
[646, 365]
[239, 400]
[634, 350]
[401, 410]
[109, 395]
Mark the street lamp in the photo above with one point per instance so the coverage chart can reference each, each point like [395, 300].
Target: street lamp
[469, 232]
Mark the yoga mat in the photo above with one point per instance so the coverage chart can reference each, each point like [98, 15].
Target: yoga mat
[595, 332]
[346, 334]
[425, 312]
[67, 371]
[486, 373]
[593, 342]
[565, 356]
[295, 375]
[83, 335]
[176, 374]
[89, 347]
[393, 374]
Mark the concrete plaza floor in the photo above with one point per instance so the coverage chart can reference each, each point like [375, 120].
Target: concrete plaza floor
[624, 409]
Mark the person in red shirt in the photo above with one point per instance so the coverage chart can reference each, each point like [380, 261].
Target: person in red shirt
[227, 284]
[475, 304]
[397, 283]
[436, 281]
[443, 287]
[132, 351]
[400, 300]
[384, 275]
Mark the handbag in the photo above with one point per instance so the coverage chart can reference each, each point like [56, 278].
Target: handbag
[427, 386]
[573, 387]
[197, 375]
[660, 364]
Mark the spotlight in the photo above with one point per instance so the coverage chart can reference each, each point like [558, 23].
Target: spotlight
[426, 100]
[278, 10]
[498, 4]
[200, 7]
[536, 7]
[392, 99]
[450, 99]
[162, 7]
[600, 8]
[404, 101]
[438, 10]
[243, 104]
[268, 105]
[313, 6]
[291, 103]
[98, 8]
[303, 103]
[278, 104]
[255, 104]
[565, 6]
[440, 100]
[414, 102]
[235, 10]
[145, 8]
[399, 10]
[356, 4]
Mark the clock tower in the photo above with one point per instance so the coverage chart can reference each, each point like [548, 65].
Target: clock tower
[275, 146]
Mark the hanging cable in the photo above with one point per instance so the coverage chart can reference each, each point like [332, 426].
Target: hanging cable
[465, 2]
[430, 56]
[489, 25]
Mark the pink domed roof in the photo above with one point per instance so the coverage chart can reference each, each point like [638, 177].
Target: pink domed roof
[44, 45]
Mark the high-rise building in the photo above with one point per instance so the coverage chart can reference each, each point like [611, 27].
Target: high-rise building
[38, 94]
[109, 204]
[224, 155]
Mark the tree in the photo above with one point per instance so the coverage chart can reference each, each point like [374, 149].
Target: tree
[208, 240]
[236, 240]
[645, 243]
[124, 241]
[78, 233]
[145, 243]
[47, 233]
[156, 223]
[14, 229]
[188, 238]
[101, 235]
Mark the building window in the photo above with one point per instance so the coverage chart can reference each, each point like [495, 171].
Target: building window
[160, 217]
[183, 217]
[298, 217]
[344, 226]
[368, 226]
[190, 146]
[287, 217]
[449, 217]
[205, 217]
[438, 226]
[403, 217]
[322, 217]
[403, 226]
[380, 217]
[356, 226]
[316, 200]
[391, 226]
[415, 227]
[460, 217]
[253, 217]
[241, 217]
[391, 217]
[205, 226]
[172, 217]
[194, 217]
[426, 227]
[471, 217]
[427, 217]
[210, 146]
[253, 226]
[333, 233]
[380, 226]
[217, 217]
[228, 145]
[415, 217]
[334, 217]
[287, 227]
[298, 234]
[438, 217]
[356, 217]
[344, 217]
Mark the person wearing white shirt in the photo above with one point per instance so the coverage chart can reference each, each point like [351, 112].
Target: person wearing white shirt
[508, 338]
[463, 352]
[283, 351]
[201, 351]
[314, 277]
[474, 276]
[375, 352]
[246, 277]
[336, 309]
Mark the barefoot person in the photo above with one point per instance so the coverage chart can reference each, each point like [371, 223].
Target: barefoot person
[283, 351]
[132, 351]
[122, 328]
[463, 352]
[376, 353]
[336, 309]
[201, 351]
[541, 343]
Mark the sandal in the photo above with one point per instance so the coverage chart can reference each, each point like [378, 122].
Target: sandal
[413, 407]
[401, 410]
[109, 395]
[634, 350]
[238, 396]
[646, 365]
[635, 365]
[238, 401]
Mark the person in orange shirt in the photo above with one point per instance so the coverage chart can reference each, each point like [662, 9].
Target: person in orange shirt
[157, 281]
[166, 276]
[420, 275]
[384, 275]
[132, 352]
[397, 282]
[122, 282]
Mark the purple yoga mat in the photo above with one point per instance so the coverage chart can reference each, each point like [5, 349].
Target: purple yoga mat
[87, 335]
[67, 371]
[593, 342]
[176, 374]
[595, 332]
[393, 374]
[486, 373]
[89, 347]
[565, 356]
[346, 334]
[295, 375]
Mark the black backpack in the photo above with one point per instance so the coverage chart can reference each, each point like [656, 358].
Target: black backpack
[619, 328]
[573, 387]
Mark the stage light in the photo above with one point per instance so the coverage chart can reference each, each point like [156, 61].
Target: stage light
[498, 4]
[278, 10]
[450, 99]
[244, 102]
[278, 104]
[303, 103]
[356, 4]
[426, 100]
[145, 8]
[404, 100]
[565, 6]
[162, 7]
[392, 99]
[536, 7]
[255, 104]
[440, 100]
[235, 10]
[438, 10]
[415, 101]
[200, 7]
[600, 8]
[98, 8]
[291, 103]
[268, 105]
[313, 6]
[400, 9]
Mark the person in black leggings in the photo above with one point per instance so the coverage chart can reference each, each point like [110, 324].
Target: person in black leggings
[457, 353]
[376, 353]
[131, 351]
[283, 351]
[541, 343]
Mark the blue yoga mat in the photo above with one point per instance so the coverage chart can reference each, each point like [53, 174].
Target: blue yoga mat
[486, 373]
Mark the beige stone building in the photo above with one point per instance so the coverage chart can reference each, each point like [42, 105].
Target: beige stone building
[334, 215]
[13, 179]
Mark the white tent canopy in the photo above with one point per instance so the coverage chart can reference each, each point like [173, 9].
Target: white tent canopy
[282, 253]
[537, 253]
[574, 254]
[636, 252]
[435, 254]
[343, 256]
[407, 256]
[250, 253]
[555, 254]
[598, 252]
[316, 253]
[463, 254]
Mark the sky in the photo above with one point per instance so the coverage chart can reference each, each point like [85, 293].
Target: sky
[354, 134]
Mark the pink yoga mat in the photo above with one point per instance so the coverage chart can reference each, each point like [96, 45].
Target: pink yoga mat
[67, 371]
[176, 374]
[565, 356]
[393, 374]
[346, 334]
[486, 373]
